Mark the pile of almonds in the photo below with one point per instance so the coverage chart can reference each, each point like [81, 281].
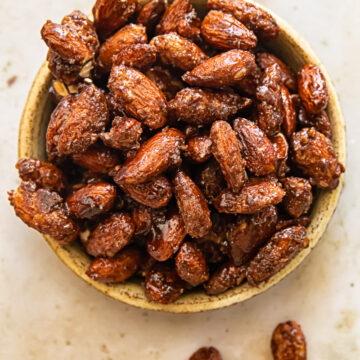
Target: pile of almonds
[180, 150]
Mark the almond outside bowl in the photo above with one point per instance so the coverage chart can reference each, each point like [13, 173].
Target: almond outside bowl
[291, 48]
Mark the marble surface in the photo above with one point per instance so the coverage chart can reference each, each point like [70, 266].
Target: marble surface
[46, 312]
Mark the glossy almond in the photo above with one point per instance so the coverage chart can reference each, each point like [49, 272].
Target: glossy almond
[314, 153]
[254, 196]
[124, 134]
[192, 205]
[270, 110]
[116, 269]
[140, 97]
[254, 18]
[128, 35]
[177, 51]
[137, 56]
[44, 211]
[151, 13]
[204, 106]
[166, 235]
[225, 69]
[163, 285]
[76, 123]
[288, 342]
[110, 235]
[110, 15]
[225, 32]
[276, 254]
[313, 89]
[97, 158]
[191, 265]
[199, 148]
[45, 175]
[249, 232]
[154, 157]
[225, 277]
[154, 193]
[227, 153]
[91, 200]
[256, 148]
[288, 78]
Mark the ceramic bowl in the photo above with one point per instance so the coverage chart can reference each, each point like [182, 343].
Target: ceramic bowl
[291, 48]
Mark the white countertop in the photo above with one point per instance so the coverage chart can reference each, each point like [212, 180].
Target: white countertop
[46, 312]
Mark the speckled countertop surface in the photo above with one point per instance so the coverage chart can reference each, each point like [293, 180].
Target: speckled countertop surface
[46, 312]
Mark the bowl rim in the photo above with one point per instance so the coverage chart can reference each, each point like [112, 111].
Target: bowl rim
[125, 292]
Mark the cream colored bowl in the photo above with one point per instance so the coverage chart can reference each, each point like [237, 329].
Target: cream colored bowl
[294, 51]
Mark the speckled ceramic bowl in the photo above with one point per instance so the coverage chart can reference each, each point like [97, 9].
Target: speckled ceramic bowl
[291, 48]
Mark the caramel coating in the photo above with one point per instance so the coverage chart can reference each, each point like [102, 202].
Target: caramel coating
[192, 205]
[204, 106]
[247, 86]
[227, 153]
[127, 35]
[110, 235]
[45, 175]
[116, 269]
[91, 200]
[320, 122]
[276, 254]
[74, 40]
[62, 70]
[211, 180]
[313, 152]
[140, 97]
[288, 342]
[270, 109]
[287, 76]
[254, 18]
[151, 13]
[110, 15]
[225, 277]
[76, 122]
[206, 353]
[154, 193]
[162, 284]
[177, 51]
[299, 197]
[124, 134]
[289, 122]
[180, 17]
[44, 211]
[281, 149]
[166, 235]
[141, 217]
[166, 81]
[191, 265]
[137, 56]
[97, 158]
[223, 31]
[255, 195]
[312, 89]
[225, 69]
[199, 148]
[249, 232]
[154, 157]
[256, 148]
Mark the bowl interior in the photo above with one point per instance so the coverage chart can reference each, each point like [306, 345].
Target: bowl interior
[292, 49]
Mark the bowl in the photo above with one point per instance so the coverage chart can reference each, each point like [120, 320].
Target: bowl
[291, 48]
